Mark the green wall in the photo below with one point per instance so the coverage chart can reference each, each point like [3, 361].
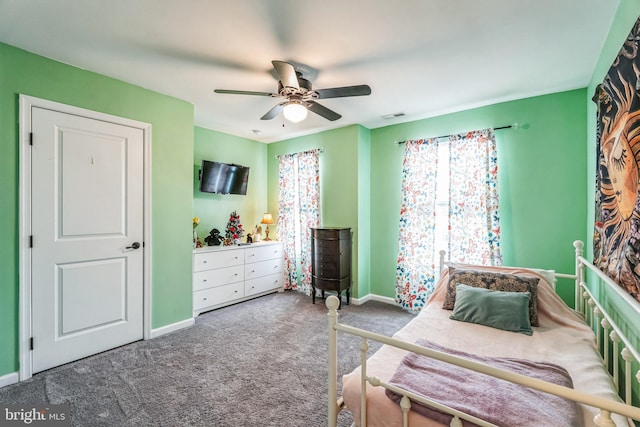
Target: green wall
[214, 209]
[172, 157]
[339, 172]
[364, 211]
[540, 172]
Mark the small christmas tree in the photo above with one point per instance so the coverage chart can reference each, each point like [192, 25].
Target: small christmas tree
[234, 229]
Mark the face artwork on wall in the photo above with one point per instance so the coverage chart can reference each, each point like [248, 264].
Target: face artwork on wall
[617, 215]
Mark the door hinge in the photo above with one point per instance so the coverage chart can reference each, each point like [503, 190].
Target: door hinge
[31, 343]
[30, 138]
[31, 241]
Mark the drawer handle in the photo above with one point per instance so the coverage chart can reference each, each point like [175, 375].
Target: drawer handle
[275, 267]
[204, 261]
[204, 280]
[204, 299]
[235, 291]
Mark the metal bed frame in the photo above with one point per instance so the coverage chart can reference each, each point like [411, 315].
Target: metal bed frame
[608, 334]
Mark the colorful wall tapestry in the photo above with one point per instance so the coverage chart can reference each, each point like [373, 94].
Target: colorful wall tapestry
[617, 215]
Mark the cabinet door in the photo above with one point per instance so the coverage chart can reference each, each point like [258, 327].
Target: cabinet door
[224, 258]
[261, 253]
[263, 284]
[218, 277]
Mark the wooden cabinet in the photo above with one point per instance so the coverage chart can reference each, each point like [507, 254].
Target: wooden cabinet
[331, 261]
[224, 275]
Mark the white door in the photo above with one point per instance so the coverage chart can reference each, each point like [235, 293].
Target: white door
[87, 223]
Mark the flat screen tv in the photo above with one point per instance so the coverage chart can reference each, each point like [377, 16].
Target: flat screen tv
[223, 178]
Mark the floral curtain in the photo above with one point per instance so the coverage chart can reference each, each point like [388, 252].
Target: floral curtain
[298, 212]
[473, 199]
[473, 220]
[415, 271]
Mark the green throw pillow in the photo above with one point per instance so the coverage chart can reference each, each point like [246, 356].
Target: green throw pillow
[508, 311]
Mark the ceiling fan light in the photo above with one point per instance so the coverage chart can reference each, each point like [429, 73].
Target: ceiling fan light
[295, 111]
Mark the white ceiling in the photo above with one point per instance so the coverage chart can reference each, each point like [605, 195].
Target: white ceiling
[421, 57]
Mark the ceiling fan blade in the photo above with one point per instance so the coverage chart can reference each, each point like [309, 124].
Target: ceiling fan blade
[340, 92]
[273, 112]
[245, 92]
[287, 74]
[323, 111]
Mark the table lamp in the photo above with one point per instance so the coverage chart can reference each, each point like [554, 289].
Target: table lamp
[267, 219]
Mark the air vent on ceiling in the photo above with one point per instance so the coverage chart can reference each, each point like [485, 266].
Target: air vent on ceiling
[392, 116]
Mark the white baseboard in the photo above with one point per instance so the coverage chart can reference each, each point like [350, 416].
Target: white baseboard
[9, 379]
[373, 297]
[172, 328]
[360, 301]
[385, 300]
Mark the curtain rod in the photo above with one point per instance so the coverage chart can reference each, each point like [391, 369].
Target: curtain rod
[514, 126]
[320, 150]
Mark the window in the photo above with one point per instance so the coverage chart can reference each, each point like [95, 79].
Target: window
[450, 202]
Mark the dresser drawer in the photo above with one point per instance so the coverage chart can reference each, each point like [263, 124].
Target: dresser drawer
[223, 258]
[263, 284]
[262, 253]
[263, 268]
[326, 266]
[326, 247]
[330, 233]
[220, 295]
[218, 277]
[325, 259]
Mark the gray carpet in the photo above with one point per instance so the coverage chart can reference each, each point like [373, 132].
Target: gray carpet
[258, 363]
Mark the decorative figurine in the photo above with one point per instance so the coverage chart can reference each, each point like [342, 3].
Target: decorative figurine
[249, 238]
[214, 238]
[257, 234]
[234, 230]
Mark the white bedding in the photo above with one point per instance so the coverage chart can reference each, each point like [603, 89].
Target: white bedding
[562, 338]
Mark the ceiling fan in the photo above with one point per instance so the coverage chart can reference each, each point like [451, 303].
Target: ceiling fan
[300, 96]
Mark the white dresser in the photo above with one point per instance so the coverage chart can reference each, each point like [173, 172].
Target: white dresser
[224, 275]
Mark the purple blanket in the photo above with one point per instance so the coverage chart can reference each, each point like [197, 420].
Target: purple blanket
[491, 399]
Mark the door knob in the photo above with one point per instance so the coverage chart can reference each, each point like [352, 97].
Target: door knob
[134, 245]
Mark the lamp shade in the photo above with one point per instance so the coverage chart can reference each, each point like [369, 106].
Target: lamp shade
[267, 219]
[294, 111]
